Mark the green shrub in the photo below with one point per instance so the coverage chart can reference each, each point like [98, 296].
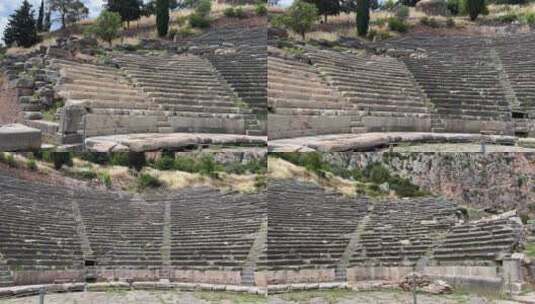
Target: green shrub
[240, 13]
[402, 12]
[105, 179]
[184, 163]
[165, 162]
[397, 25]
[529, 18]
[86, 174]
[454, 7]
[207, 166]
[390, 5]
[404, 188]
[198, 21]
[379, 21]
[10, 160]
[119, 159]
[136, 160]
[203, 8]
[96, 158]
[185, 32]
[145, 181]
[474, 8]
[374, 34]
[31, 164]
[229, 12]
[377, 173]
[508, 18]
[61, 158]
[431, 22]
[261, 9]
[107, 26]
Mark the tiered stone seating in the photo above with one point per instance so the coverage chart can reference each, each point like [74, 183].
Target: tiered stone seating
[254, 36]
[214, 231]
[245, 69]
[308, 228]
[517, 55]
[189, 92]
[111, 103]
[37, 228]
[401, 232]
[380, 86]
[123, 232]
[302, 103]
[479, 241]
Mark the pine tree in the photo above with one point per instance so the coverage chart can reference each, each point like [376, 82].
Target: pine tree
[363, 17]
[129, 10]
[162, 17]
[41, 17]
[21, 28]
[326, 7]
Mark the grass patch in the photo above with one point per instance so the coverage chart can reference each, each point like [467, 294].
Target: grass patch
[31, 164]
[105, 179]
[530, 249]
[50, 113]
[145, 181]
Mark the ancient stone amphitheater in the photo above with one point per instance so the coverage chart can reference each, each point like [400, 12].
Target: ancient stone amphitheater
[214, 84]
[451, 84]
[305, 237]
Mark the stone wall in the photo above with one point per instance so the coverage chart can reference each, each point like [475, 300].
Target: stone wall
[10, 111]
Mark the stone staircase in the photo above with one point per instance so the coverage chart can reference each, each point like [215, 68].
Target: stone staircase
[259, 247]
[341, 266]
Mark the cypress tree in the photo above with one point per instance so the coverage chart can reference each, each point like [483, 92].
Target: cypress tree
[474, 8]
[21, 27]
[41, 16]
[162, 17]
[363, 17]
[47, 24]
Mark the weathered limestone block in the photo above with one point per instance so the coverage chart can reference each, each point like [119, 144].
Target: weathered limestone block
[17, 137]
[71, 118]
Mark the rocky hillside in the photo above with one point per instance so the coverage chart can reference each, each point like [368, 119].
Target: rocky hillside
[497, 181]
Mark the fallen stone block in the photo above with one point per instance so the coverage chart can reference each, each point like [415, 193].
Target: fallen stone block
[17, 137]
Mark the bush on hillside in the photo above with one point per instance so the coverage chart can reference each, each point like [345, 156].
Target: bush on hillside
[136, 160]
[454, 7]
[145, 181]
[229, 12]
[474, 8]
[105, 179]
[197, 21]
[261, 9]
[402, 12]
[165, 162]
[107, 26]
[240, 13]
[61, 158]
[203, 8]
[397, 25]
[31, 164]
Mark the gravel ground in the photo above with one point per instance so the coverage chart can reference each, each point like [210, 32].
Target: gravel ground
[312, 297]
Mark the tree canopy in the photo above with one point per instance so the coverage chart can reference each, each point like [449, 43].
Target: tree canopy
[107, 26]
[21, 29]
[129, 10]
[70, 11]
[299, 17]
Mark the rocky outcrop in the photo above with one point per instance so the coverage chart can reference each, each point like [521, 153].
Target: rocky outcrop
[499, 181]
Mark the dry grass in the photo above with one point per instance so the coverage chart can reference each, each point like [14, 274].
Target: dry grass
[22, 51]
[281, 169]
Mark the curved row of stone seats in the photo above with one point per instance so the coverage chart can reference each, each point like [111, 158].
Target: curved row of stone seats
[485, 240]
[519, 65]
[254, 36]
[214, 231]
[38, 236]
[401, 232]
[380, 86]
[245, 69]
[123, 232]
[308, 227]
[302, 103]
[465, 88]
[101, 101]
[188, 91]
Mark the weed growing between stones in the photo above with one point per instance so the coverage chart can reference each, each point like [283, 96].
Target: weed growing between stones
[145, 181]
